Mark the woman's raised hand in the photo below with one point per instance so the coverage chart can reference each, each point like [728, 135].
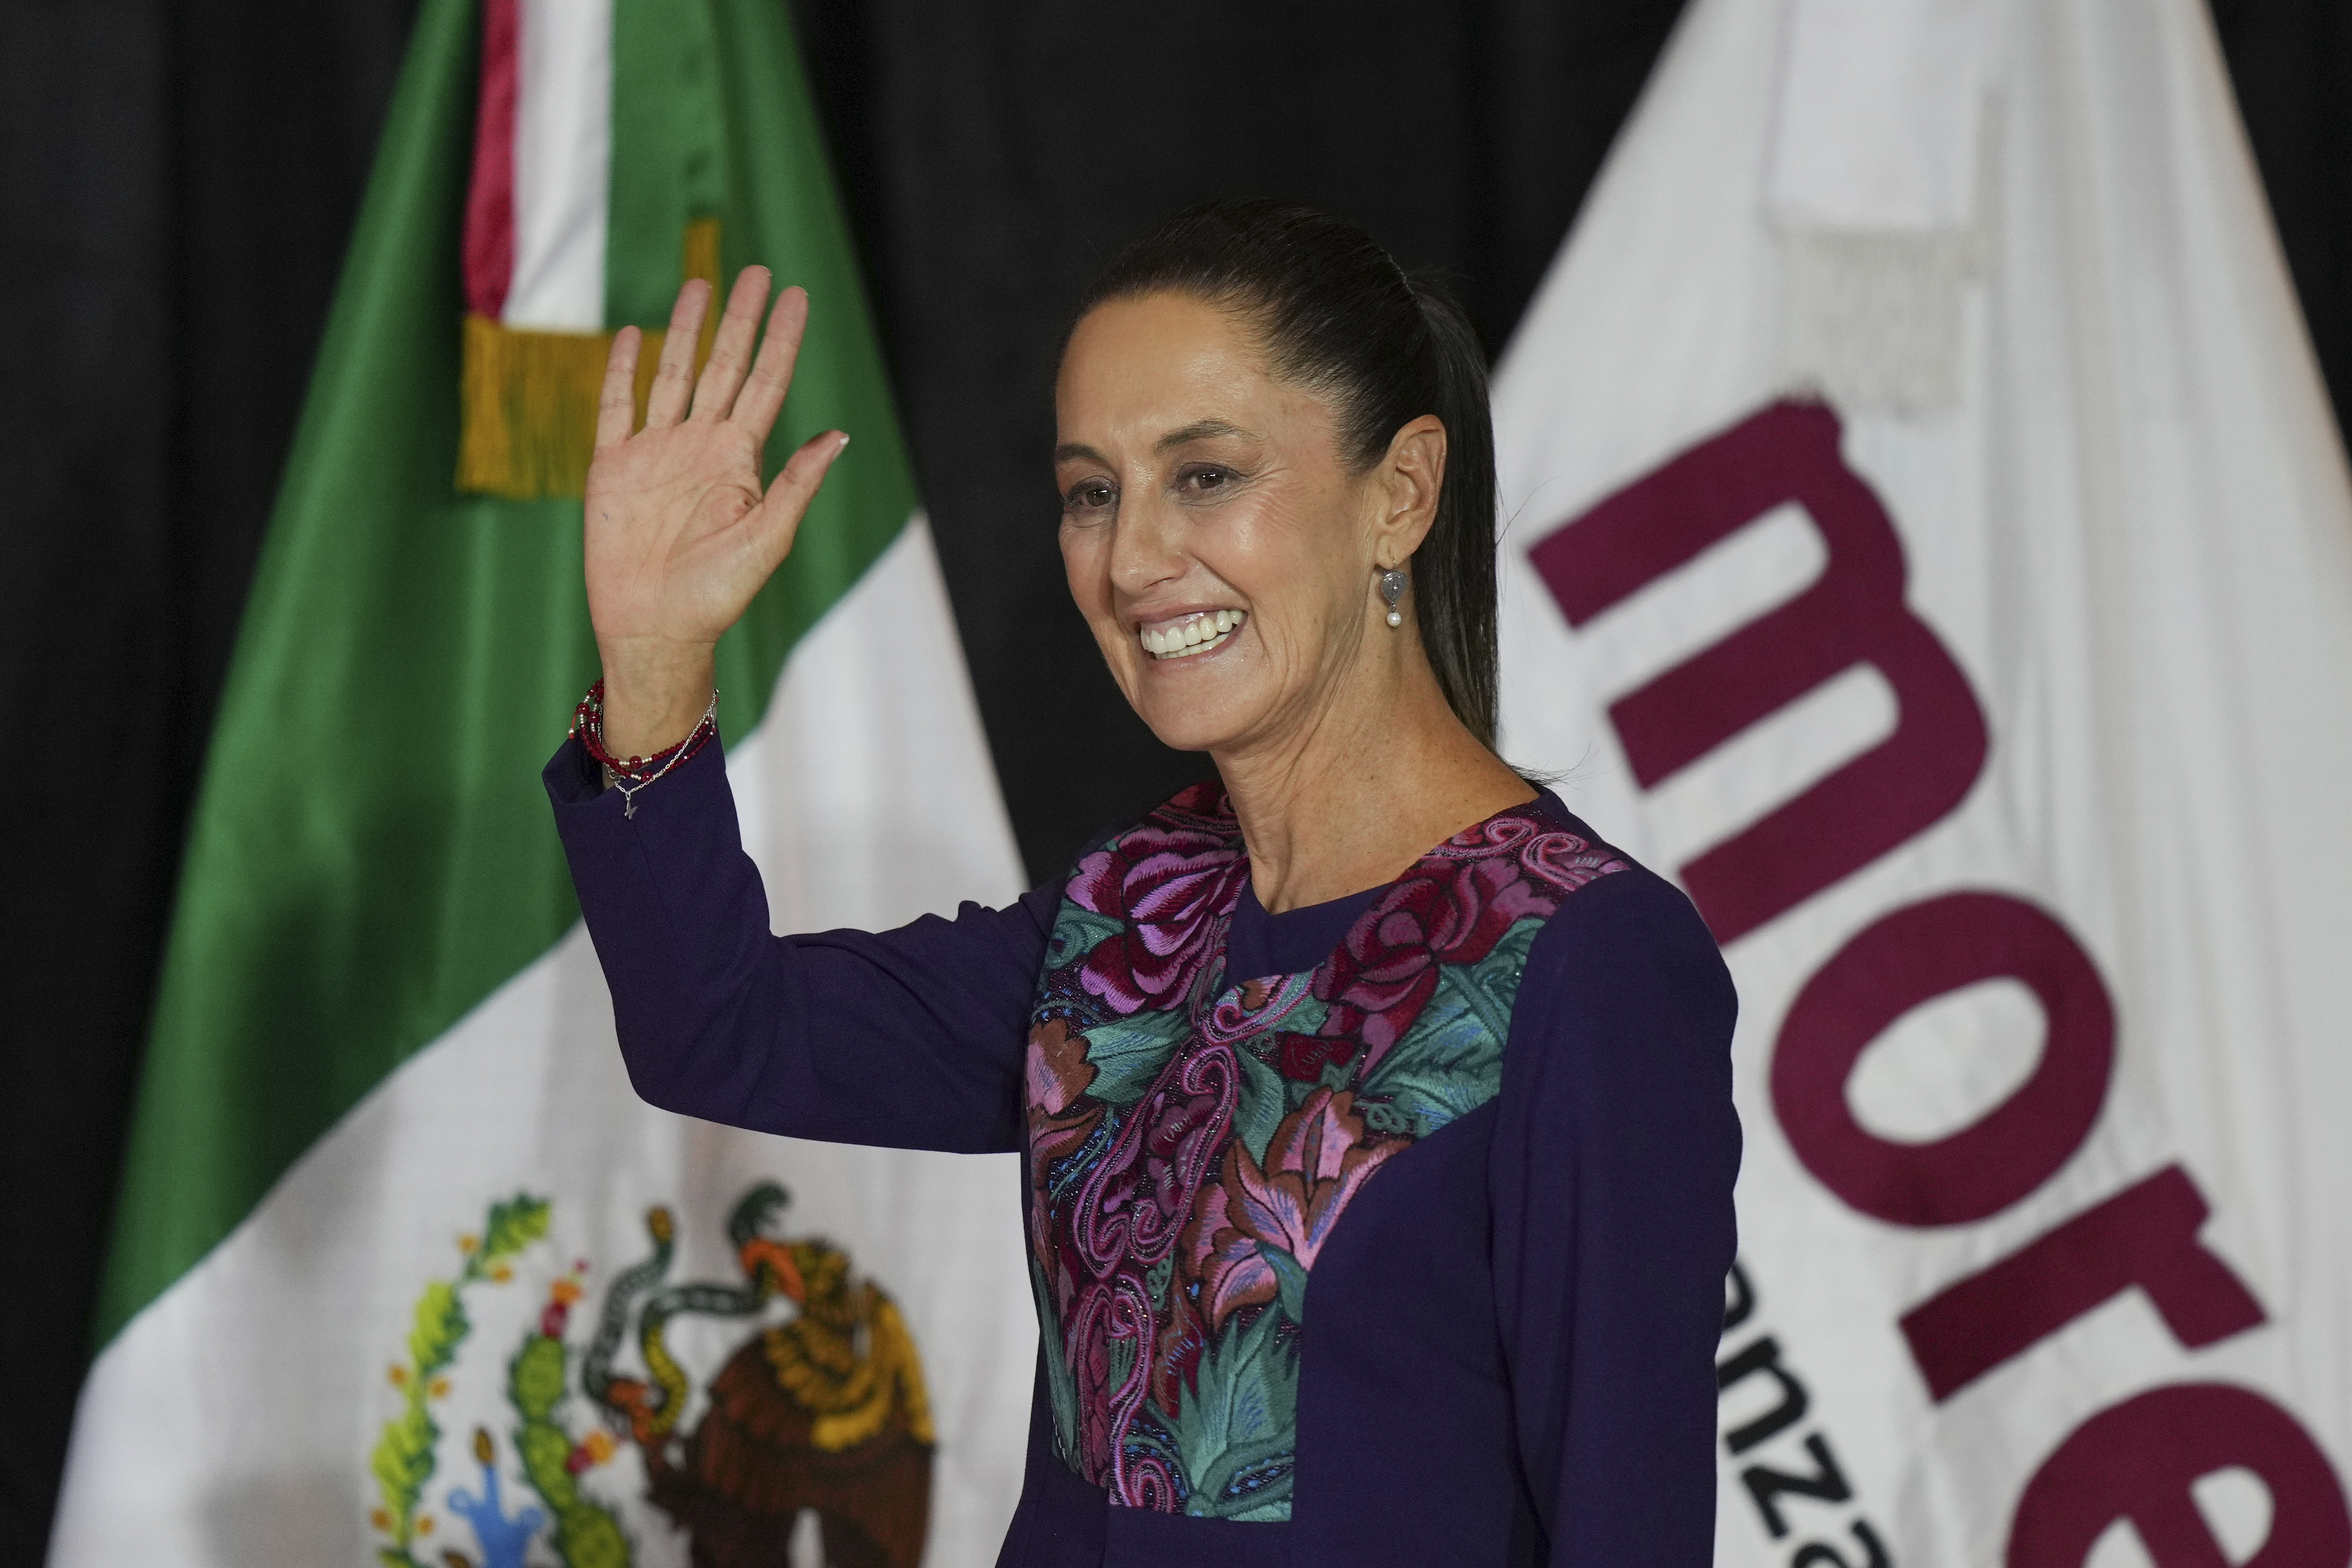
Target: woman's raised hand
[680, 537]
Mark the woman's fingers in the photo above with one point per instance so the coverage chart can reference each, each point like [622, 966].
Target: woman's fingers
[673, 378]
[731, 350]
[789, 494]
[762, 397]
[617, 402]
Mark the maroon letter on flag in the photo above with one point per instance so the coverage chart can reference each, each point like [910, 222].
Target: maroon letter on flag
[2144, 1235]
[1853, 614]
[1913, 955]
[2137, 1461]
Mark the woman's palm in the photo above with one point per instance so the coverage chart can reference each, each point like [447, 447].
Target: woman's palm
[679, 535]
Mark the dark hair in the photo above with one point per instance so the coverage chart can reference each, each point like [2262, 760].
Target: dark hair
[1339, 314]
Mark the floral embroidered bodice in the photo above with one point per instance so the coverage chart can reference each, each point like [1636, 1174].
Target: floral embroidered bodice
[1195, 1137]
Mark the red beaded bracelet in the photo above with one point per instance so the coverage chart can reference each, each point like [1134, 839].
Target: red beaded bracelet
[630, 777]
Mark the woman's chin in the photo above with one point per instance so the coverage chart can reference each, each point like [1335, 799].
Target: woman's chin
[1197, 721]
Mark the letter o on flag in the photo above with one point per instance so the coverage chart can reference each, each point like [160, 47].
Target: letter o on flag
[1911, 956]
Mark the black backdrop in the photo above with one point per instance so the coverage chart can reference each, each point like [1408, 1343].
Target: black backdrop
[177, 182]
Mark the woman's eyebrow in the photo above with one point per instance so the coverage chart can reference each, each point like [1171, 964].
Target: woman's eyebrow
[1198, 430]
[1201, 430]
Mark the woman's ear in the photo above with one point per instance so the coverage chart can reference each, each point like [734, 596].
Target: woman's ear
[1412, 475]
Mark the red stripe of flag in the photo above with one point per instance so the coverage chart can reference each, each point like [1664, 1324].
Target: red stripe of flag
[489, 204]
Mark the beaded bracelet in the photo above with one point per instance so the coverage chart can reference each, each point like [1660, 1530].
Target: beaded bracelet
[636, 772]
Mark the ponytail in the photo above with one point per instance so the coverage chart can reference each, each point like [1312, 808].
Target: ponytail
[1455, 567]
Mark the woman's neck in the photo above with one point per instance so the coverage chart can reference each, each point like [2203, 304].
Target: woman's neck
[1357, 794]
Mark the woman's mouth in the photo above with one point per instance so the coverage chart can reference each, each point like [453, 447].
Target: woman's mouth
[1188, 635]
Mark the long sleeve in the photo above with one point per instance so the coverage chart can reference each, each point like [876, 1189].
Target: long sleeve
[908, 1038]
[1612, 1169]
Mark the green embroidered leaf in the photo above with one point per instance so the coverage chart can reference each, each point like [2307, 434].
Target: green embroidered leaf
[513, 1226]
[1128, 1053]
[403, 1460]
[1264, 1101]
[1451, 1061]
[1078, 932]
[440, 1326]
[1289, 1279]
[1493, 983]
[1251, 1479]
[1274, 1513]
[1447, 1068]
[1235, 1434]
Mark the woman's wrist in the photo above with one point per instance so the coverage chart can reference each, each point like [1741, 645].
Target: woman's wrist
[654, 695]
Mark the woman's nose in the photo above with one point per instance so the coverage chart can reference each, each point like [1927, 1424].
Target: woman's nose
[1146, 547]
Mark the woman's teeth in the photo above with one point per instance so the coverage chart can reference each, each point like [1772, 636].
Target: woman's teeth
[1197, 635]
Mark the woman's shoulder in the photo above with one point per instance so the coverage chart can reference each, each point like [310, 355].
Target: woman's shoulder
[1632, 920]
[1625, 1012]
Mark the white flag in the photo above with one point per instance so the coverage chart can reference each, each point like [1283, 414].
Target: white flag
[1926, 540]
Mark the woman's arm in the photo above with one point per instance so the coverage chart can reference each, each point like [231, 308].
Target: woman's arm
[1613, 1167]
[908, 1038]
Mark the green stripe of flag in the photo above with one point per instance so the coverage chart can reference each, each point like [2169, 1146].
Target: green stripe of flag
[370, 855]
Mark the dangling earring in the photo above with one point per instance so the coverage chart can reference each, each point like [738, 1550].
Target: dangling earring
[1392, 590]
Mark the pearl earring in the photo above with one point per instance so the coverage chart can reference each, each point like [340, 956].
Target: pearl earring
[1392, 590]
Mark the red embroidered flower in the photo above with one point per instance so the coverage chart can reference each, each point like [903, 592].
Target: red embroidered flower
[1168, 886]
[1315, 1163]
[1304, 1057]
[1442, 911]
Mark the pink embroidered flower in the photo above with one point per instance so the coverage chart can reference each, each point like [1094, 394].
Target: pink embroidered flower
[1252, 1008]
[1566, 861]
[1315, 1163]
[1481, 839]
[1442, 911]
[1168, 887]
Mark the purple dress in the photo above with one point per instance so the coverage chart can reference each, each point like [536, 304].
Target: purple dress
[1390, 1230]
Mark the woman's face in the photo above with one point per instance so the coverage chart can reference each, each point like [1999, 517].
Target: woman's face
[1215, 535]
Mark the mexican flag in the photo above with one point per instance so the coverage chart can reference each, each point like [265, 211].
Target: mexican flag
[397, 1246]
[1929, 541]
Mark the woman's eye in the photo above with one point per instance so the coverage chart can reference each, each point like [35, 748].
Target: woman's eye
[1206, 479]
[1089, 495]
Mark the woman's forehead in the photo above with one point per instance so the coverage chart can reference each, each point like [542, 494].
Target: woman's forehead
[1139, 372]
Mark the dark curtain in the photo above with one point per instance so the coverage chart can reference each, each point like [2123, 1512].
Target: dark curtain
[176, 185]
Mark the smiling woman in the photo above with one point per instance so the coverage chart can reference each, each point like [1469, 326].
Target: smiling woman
[1375, 1112]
